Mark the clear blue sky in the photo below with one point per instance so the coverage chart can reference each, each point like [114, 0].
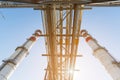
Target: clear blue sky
[18, 24]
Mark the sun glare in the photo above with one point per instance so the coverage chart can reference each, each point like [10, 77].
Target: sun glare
[70, 71]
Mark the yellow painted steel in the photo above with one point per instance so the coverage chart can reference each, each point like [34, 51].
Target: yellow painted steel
[61, 50]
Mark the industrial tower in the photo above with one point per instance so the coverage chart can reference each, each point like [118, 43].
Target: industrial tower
[62, 30]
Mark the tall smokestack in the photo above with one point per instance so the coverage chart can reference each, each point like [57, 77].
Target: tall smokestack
[10, 65]
[110, 64]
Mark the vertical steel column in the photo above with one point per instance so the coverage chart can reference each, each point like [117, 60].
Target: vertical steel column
[50, 19]
[110, 64]
[75, 36]
[10, 65]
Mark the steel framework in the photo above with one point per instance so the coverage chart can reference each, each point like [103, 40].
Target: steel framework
[62, 26]
[61, 50]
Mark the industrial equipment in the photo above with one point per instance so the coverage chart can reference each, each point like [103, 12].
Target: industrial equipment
[62, 30]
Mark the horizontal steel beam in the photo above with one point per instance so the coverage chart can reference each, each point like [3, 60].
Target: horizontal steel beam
[64, 35]
[63, 8]
[62, 55]
[105, 4]
[43, 2]
[6, 4]
[64, 70]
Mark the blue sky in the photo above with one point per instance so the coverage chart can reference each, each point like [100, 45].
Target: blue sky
[19, 24]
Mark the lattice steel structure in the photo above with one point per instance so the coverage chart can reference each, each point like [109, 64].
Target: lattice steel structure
[62, 26]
